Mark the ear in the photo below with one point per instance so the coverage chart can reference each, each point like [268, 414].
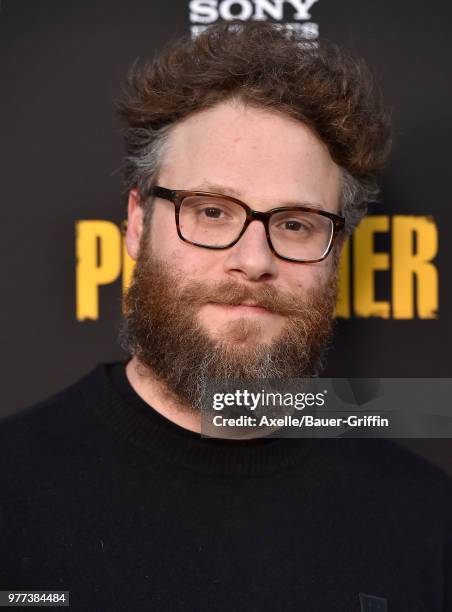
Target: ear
[134, 224]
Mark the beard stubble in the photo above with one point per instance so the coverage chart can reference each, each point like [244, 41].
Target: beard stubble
[160, 327]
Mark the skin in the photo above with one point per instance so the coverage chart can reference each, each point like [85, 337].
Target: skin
[264, 158]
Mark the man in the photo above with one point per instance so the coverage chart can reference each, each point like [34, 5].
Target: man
[249, 154]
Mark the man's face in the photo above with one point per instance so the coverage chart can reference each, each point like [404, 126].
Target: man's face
[267, 160]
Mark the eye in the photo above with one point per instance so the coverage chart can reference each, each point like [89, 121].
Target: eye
[215, 213]
[212, 212]
[295, 225]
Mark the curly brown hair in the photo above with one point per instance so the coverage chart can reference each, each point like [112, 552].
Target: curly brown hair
[269, 67]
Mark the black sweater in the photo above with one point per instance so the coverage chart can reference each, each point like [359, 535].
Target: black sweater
[102, 496]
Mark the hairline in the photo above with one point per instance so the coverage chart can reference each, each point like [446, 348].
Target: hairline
[354, 194]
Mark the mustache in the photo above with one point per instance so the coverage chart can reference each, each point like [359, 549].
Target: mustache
[233, 294]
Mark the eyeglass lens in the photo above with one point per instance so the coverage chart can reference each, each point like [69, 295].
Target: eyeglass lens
[217, 222]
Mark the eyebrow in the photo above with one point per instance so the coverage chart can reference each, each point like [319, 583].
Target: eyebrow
[230, 191]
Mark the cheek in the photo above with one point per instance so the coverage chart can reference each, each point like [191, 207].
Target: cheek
[188, 260]
[196, 263]
[305, 276]
[163, 233]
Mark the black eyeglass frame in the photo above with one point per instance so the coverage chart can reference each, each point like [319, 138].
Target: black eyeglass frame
[177, 196]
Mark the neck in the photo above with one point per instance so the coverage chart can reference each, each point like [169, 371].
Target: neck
[146, 384]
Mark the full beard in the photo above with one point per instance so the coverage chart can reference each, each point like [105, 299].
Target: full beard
[160, 327]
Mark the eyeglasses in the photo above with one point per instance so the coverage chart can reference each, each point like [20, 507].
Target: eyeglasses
[216, 221]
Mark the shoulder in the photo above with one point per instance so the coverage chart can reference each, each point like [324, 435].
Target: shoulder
[47, 437]
[386, 455]
[40, 418]
[27, 424]
[390, 460]
[384, 473]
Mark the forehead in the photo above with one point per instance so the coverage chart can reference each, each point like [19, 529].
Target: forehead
[261, 156]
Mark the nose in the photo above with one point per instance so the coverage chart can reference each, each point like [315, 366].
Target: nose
[251, 258]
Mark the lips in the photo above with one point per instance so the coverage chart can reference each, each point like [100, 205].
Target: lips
[249, 303]
[244, 307]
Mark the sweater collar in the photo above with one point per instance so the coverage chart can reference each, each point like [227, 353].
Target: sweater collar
[109, 393]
